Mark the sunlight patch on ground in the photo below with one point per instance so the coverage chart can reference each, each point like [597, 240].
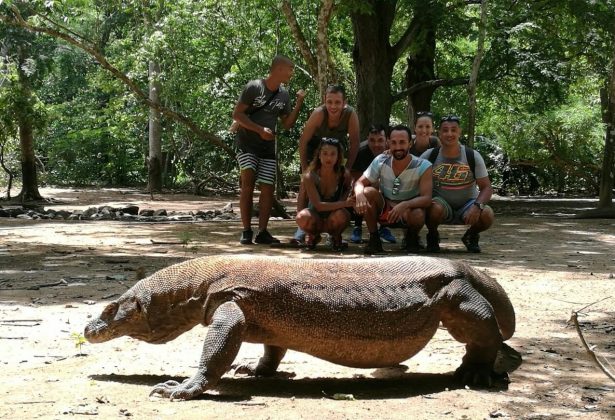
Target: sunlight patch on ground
[580, 232]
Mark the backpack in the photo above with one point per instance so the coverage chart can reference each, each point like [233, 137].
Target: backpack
[469, 157]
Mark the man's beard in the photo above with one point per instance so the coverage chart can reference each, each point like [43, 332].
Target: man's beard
[400, 154]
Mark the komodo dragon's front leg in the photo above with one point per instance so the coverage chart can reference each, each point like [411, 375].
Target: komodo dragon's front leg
[470, 319]
[222, 343]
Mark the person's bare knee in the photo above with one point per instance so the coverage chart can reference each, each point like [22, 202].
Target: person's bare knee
[415, 218]
[373, 196]
[376, 203]
[337, 221]
[303, 218]
[435, 214]
[309, 221]
[485, 221]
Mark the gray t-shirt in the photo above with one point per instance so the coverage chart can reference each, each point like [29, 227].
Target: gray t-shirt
[452, 178]
[255, 94]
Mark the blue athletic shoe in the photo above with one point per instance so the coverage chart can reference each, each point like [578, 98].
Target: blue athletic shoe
[355, 238]
[386, 235]
[298, 237]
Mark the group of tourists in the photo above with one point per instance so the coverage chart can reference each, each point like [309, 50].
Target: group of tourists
[394, 179]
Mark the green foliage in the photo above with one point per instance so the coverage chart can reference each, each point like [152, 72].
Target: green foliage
[97, 137]
[560, 146]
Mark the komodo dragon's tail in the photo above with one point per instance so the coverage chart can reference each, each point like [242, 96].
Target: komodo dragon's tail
[495, 294]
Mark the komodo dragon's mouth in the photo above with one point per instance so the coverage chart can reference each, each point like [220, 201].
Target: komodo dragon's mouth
[97, 331]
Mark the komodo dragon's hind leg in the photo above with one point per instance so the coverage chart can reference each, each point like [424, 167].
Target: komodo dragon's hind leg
[222, 343]
[267, 365]
[470, 319]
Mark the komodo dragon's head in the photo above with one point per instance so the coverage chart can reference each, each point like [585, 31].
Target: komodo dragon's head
[134, 315]
[125, 316]
[160, 307]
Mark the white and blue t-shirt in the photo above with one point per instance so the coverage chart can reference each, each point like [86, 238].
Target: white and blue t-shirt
[408, 181]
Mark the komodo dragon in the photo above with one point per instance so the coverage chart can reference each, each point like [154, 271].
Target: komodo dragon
[358, 313]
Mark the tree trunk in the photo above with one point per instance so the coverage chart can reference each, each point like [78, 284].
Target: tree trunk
[474, 75]
[320, 65]
[154, 160]
[29, 187]
[608, 159]
[325, 65]
[8, 171]
[374, 59]
[606, 209]
[421, 68]
[299, 37]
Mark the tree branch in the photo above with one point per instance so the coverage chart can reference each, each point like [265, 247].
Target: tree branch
[325, 64]
[132, 86]
[64, 28]
[428, 84]
[404, 41]
[295, 29]
[590, 350]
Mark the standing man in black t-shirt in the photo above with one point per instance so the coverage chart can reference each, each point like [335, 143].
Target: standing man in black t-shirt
[260, 105]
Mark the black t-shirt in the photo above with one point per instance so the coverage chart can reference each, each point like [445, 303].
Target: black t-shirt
[364, 158]
[255, 94]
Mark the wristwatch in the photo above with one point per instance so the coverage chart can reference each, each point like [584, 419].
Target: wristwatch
[481, 206]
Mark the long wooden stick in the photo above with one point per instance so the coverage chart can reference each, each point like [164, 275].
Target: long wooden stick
[590, 349]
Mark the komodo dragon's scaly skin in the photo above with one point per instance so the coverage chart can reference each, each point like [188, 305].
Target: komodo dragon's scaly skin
[362, 313]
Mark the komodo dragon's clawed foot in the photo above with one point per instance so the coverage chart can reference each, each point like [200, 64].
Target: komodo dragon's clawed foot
[173, 390]
[480, 375]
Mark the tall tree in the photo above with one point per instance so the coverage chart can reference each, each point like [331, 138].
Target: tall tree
[421, 60]
[383, 35]
[25, 123]
[319, 62]
[152, 14]
[374, 57]
[607, 179]
[154, 158]
[28, 54]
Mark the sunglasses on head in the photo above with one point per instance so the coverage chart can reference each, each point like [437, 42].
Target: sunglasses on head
[424, 114]
[453, 118]
[330, 140]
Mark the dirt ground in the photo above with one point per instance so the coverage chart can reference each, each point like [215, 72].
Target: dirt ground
[56, 275]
